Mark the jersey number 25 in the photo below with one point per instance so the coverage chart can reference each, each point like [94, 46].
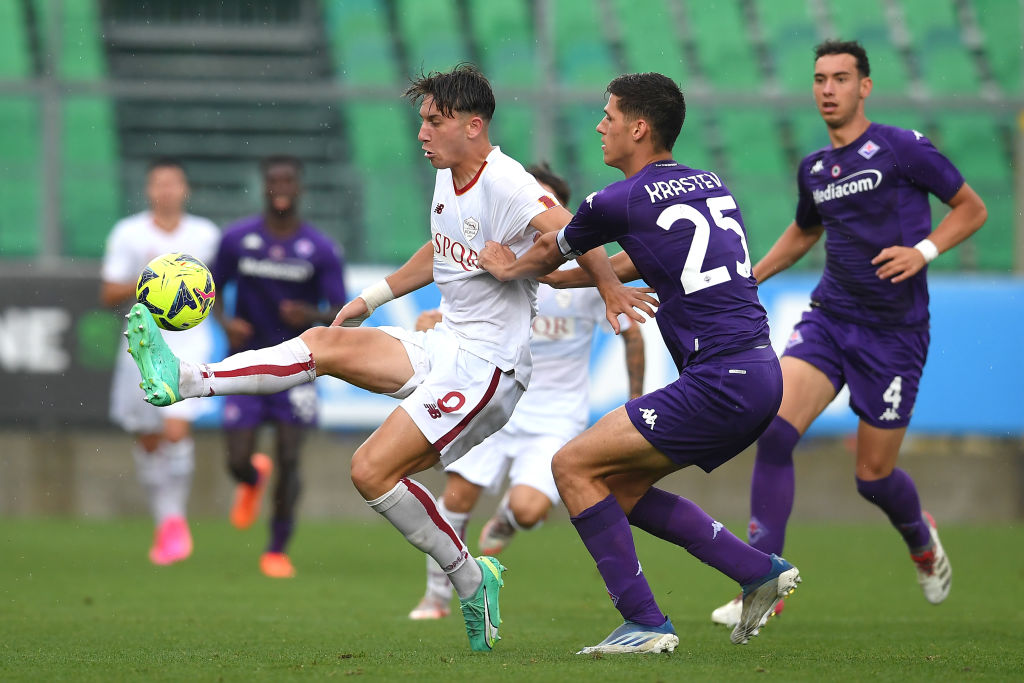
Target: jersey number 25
[693, 278]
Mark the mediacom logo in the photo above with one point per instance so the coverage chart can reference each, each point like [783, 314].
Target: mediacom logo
[861, 181]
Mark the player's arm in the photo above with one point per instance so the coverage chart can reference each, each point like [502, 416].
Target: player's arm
[787, 250]
[621, 264]
[417, 272]
[635, 360]
[968, 214]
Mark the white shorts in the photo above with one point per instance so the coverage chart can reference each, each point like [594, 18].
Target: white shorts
[129, 409]
[455, 398]
[526, 457]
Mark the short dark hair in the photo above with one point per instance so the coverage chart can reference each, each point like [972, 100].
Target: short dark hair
[165, 162]
[655, 98]
[281, 160]
[464, 89]
[845, 47]
[543, 173]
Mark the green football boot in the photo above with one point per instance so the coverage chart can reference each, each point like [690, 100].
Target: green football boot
[157, 363]
[480, 610]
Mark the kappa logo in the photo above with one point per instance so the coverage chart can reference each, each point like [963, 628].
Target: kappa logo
[818, 167]
[432, 410]
[889, 415]
[639, 568]
[715, 528]
[439, 208]
[650, 415]
[470, 228]
[590, 199]
[868, 149]
[917, 135]
[252, 241]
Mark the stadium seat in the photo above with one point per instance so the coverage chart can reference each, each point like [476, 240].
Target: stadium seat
[591, 172]
[15, 62]
[504, 35]
[1000, 23]
[767, 204]
[512, 130]
[20, 189]
[692, 146]
[650, 41]
[994, 243]
[724, 48]
[935, 33]
[865, 21]
[582, 55]
[751, 142]
[809, 131]
[362, 47]
[790, 33]
[431, 33]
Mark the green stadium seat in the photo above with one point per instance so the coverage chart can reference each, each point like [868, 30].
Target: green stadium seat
[431, 34]
[504, 35]
[767, 204]
[592, 173]
[751, 142]
[1000, 23]
[90, 177]
[15, 62]
[935, 33]
[994, 242]
[809, 132]
[512, 130]
[973, 142]
[582, 54]
[692, 146]
[866, 21]
[649, 40]
[362, 46]
[723, 44]
[20, 151]
[790, 33]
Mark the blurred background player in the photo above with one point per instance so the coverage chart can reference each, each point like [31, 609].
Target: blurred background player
[868, 323]
[164, 451]
[554, 409]
[288, 276]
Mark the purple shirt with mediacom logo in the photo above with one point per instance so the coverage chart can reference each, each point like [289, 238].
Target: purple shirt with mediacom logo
[869, 195]
[683, 231]
[306, 266]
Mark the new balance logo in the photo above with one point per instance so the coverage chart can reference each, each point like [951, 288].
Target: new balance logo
[649, 416]
[889, 415]
[432, 410]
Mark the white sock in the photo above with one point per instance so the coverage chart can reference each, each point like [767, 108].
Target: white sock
[149, 469]
[438, 584]
[262, 371]
[178, 464]
[411, 509]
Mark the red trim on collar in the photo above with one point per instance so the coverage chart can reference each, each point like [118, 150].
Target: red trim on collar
[470, 184]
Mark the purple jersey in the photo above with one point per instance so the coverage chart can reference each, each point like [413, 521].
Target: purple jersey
[869, 195]
[685, 235]
[306, 266]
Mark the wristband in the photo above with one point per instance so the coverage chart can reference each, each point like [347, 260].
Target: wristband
[375, 295]
[927, 249]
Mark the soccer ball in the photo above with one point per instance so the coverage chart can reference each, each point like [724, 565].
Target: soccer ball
[178, 290]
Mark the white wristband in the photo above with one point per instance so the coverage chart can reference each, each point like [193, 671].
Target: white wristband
[927, 249]
[377, 294]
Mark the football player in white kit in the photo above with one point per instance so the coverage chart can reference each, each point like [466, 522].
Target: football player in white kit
[553, 410]
[460, 381]
[163, 449]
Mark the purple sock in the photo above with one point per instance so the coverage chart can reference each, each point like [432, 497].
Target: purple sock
[605, 532]
[897, 496]
[771, 487]
[280, 534]
[680, 521]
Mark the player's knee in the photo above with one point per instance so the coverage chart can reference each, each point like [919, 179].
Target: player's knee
[529, 516]
[563, 468]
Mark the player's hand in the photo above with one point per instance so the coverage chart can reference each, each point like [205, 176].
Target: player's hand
[898, 263]
[496, 258]
[238, 331]
[427, 320]
[296, 313]
[352, 314]
[626, 301]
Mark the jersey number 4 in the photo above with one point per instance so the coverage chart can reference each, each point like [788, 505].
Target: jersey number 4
[693, 278]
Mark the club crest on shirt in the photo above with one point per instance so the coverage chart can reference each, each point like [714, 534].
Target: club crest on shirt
[563, 297]
[868, 149]
[470, 228]
[794, 339]
[304, 247]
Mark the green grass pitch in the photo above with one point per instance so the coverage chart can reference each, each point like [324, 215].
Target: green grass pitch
[78, 601]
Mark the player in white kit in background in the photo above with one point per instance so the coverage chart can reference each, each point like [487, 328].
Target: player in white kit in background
[553, 410]
[164, 451]
[460, 381]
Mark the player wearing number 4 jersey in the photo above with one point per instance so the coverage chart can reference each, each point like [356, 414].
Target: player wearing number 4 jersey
[459, 381]
[684, 235]
[868, 323]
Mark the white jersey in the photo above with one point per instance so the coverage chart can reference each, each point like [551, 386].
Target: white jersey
[490, 318]
[562, 335]
[136, 240]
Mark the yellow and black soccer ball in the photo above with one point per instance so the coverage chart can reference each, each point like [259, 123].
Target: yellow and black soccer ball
[178, 290]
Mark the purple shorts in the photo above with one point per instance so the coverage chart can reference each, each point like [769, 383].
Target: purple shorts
[716, 408]
[297, 405]
[881, 366]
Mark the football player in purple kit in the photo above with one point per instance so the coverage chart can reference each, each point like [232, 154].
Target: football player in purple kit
[289, 276]
[682, 232]
[868, 323]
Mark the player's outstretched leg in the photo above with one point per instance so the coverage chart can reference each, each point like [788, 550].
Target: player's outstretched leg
[934, 572]
[480, 610]
[761, 596]
[157, 363]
